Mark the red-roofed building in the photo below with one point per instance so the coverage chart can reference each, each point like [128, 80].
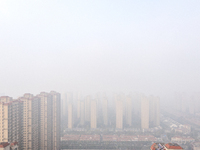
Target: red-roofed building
[168, 146]
[157, 146]
[172, 146]
[4, 146]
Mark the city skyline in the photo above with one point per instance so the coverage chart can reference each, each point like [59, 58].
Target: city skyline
[117, 112]
[119, 74]
[45, 121]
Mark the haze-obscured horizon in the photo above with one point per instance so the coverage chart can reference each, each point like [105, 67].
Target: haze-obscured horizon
[90, 46]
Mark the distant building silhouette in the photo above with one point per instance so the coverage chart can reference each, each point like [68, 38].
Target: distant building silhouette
[128, 110]
[154, 110]
[93, 121]
[87, 108]
[70, 116]
[119, 113]
[105, 111]
[144, 112]
[82, 117]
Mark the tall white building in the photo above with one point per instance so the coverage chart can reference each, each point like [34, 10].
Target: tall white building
[119, 114]
[93, 118]
[82, 114]
[49, 120]
[56, 104]
[11, 120]
[144, 112]
[105, 111]
[87, 108]
[128, 111]
[70, 116]
[31, 121]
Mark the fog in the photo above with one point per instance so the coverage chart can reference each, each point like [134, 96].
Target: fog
[99, 46]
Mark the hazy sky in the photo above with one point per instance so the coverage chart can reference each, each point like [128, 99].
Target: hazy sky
[149, 46]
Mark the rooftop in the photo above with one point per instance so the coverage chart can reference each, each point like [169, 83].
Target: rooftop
[4, 144]
[173, 146]
[162, 146]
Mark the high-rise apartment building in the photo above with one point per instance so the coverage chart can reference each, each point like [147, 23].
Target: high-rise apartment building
[56, 105]
[154, 110]
[157, 118]
[5, 99]
[68, 98]
[119, 113]
[128, 111]
[82, 115]
[144, 112]
[93, 120]
[77, 105]
[46, 121]
[136, 104]
[70, 116]
[11, 120]
[31, 122]
[191, 106]
[78, 109]
[105, 111]
[87, 108]
[196, 102]
[49, 120]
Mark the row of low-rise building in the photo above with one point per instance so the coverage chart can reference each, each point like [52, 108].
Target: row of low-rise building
[182, 140]
[176, 126]
[109, 138]
[99, 141]
[196, 146]
[32, 121]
